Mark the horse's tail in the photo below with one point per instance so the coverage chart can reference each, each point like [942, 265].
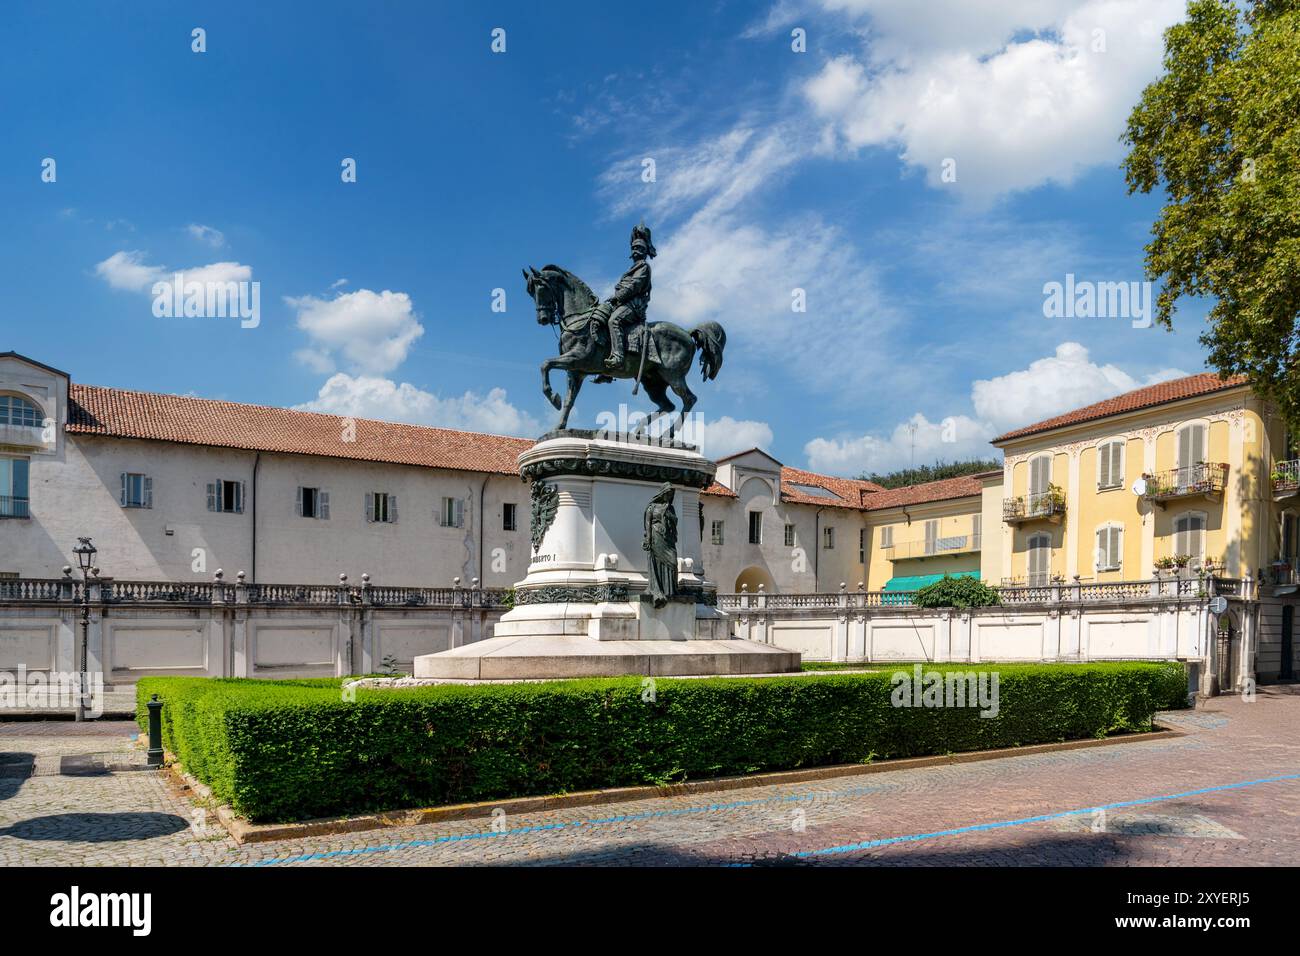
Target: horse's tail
[711, 339]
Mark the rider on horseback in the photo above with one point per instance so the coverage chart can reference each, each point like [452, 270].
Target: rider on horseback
[631, 296]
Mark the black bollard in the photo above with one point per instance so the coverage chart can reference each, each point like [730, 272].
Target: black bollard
[155, 731]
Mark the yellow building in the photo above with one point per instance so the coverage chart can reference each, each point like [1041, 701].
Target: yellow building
[1194, 473]
[921, 532]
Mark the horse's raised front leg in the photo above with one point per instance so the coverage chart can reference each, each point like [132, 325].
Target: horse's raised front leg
[546, 383]
[575, 385]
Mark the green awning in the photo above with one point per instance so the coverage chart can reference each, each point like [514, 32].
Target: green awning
[915, 582]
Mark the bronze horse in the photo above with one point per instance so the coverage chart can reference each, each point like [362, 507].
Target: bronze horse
[565, 301]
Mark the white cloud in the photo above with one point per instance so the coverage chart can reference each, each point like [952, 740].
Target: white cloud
[745, 275]
[726, 436]
[315, 360]
[127, 270]
[1049, 386]
[373, 331]
[1018, 93]
[367, 396]
[213, 237]
[1053, 385]
[957, 438]
[712, 176]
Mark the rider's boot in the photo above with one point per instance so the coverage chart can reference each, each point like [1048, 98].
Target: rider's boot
[615, 359]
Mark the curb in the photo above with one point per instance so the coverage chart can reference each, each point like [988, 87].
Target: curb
[244, 831]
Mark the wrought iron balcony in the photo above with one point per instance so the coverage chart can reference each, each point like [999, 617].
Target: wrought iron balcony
[954, 544]
[13, 507]
[1206, 478]
[1286, 479]
[1042, 506]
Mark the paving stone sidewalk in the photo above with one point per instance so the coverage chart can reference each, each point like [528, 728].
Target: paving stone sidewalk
[1225, 793]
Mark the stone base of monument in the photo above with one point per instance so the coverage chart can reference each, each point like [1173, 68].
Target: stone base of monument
[585, 608]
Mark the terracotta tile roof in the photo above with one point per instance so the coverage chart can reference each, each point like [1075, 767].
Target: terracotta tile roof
[850, 492]
[964, 486]
[94, 410]
[120, 413]
[1179, 388]
[722, 491]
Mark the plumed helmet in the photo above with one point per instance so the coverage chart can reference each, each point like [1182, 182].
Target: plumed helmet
[641, 236]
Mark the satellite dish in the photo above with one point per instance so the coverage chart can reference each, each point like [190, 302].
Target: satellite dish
[1140, 487]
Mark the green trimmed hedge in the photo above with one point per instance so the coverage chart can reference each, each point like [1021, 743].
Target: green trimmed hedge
[284, 750]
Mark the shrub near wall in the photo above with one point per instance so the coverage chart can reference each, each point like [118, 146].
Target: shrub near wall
[294, 749]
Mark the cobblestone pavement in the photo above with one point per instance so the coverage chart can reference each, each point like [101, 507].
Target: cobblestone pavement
[1226, 793]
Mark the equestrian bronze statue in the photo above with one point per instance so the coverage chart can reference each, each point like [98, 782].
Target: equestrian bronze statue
[612, 339]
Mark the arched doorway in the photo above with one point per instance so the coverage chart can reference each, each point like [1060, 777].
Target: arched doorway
[753, 577]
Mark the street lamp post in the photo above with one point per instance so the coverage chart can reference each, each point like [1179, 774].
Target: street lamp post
[85, 552]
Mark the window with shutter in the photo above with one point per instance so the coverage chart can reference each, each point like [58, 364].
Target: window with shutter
[148, 492]
[212, 496]
[122, 495]
[1189, 535]
[1191, 452]
[887, 536]
[1110, 465]
[1040, 474]
[1109, 555]
[300, 501]
[370, 506]
[1040, 558]
[977, 529]
[392, 508]
[324, 499]
[931, 536]
[789, 536]
[756, 527]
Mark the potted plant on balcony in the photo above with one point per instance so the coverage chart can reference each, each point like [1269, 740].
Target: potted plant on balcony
[1054, 500]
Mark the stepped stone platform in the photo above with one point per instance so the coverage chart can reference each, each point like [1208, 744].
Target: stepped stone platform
[559, 656]
[616, 585]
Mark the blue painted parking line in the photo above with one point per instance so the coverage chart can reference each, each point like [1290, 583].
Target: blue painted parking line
[1023, 821]
[565, 825]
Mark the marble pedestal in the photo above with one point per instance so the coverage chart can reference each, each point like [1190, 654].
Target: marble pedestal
[582, 610]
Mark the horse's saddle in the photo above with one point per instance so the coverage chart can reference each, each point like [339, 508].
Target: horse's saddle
[639, 337]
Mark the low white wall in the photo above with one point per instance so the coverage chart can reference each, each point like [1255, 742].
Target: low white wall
[129, 642]
[1168, 631]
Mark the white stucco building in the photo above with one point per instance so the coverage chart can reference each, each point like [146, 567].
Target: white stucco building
[172, 488]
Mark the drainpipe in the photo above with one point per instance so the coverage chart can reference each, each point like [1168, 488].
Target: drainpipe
[253, 566]
[817, 549]
[482, 522]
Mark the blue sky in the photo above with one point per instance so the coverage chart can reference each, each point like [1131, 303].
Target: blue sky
[775, 170]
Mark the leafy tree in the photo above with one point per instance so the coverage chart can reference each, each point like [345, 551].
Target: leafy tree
[936, 472]
[956, 592]
[1221, 131]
